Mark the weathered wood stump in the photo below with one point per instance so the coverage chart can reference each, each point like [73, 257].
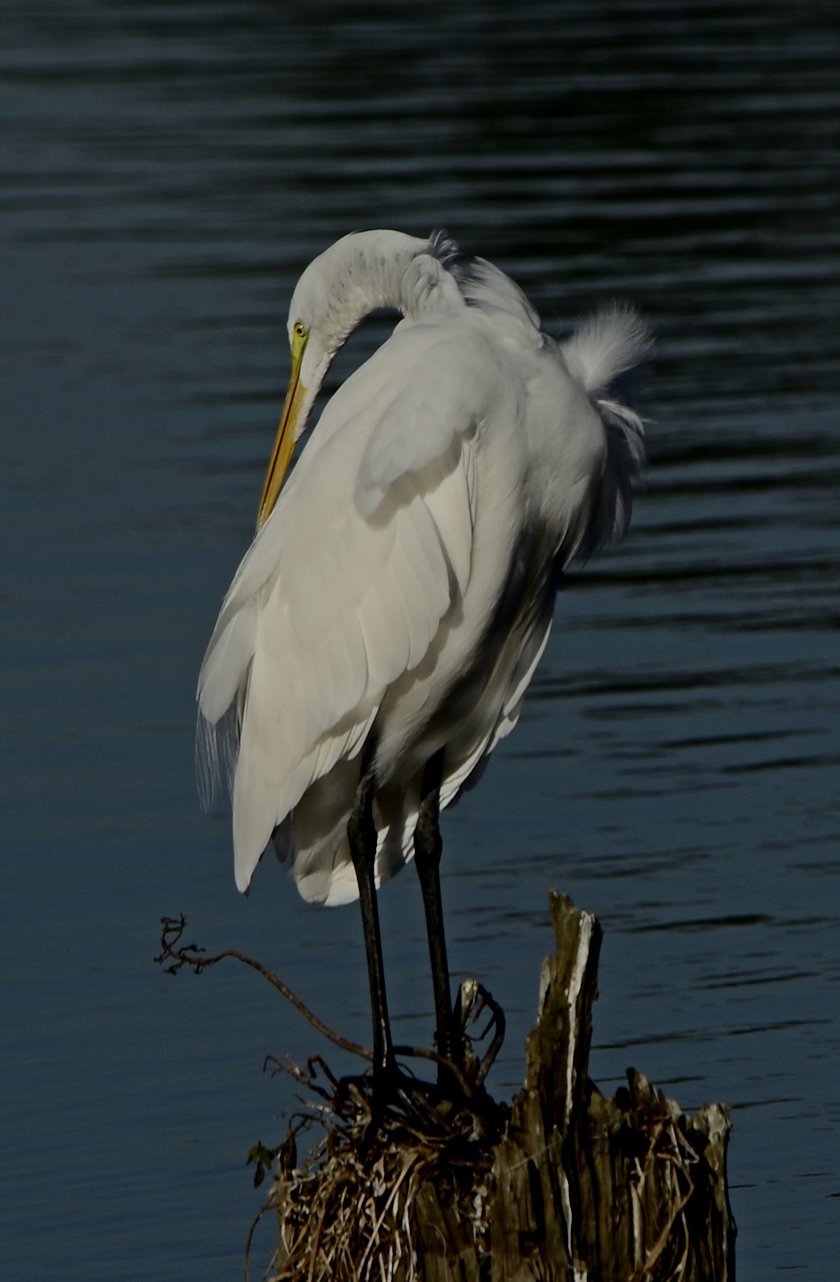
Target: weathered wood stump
[566, 1184]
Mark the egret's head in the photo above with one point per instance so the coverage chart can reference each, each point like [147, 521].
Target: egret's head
[359, 273]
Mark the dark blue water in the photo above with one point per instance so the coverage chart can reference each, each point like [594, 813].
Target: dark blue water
[167, 172]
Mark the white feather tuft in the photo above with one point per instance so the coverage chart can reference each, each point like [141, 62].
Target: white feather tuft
[606, 345]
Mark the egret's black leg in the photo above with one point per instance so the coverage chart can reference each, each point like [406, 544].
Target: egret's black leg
[427, 851]
[361, 835]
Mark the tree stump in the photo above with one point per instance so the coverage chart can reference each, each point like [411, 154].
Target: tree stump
[565, 1184]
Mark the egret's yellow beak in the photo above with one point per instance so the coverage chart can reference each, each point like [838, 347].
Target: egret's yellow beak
[284, 443]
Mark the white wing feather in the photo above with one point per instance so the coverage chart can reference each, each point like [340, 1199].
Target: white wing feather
[332, 604]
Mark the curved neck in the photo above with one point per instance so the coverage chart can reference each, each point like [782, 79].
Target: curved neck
[381, 269]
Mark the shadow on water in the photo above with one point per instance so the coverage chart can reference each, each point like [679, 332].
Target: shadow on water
[167, 171]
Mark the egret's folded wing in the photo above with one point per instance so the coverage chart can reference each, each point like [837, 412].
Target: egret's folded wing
[388, 429]
[332, 604]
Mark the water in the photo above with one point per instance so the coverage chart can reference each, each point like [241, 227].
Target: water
[167, 171]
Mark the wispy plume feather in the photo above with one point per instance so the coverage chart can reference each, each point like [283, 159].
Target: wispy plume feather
[605, 346]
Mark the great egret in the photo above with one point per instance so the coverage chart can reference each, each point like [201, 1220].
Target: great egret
[380, 633]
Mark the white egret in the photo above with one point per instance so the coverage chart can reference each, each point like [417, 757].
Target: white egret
[380, 633]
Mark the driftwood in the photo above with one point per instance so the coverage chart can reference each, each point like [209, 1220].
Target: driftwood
[563, 1184]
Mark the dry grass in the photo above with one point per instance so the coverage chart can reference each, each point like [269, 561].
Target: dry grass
[349, 1213]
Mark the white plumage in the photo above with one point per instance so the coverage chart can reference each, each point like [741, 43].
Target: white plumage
[399, 594]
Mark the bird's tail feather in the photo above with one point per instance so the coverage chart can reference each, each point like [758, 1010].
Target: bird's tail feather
[610, 344]
[605, 346]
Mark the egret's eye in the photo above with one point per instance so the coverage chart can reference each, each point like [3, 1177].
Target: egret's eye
[299, 329]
